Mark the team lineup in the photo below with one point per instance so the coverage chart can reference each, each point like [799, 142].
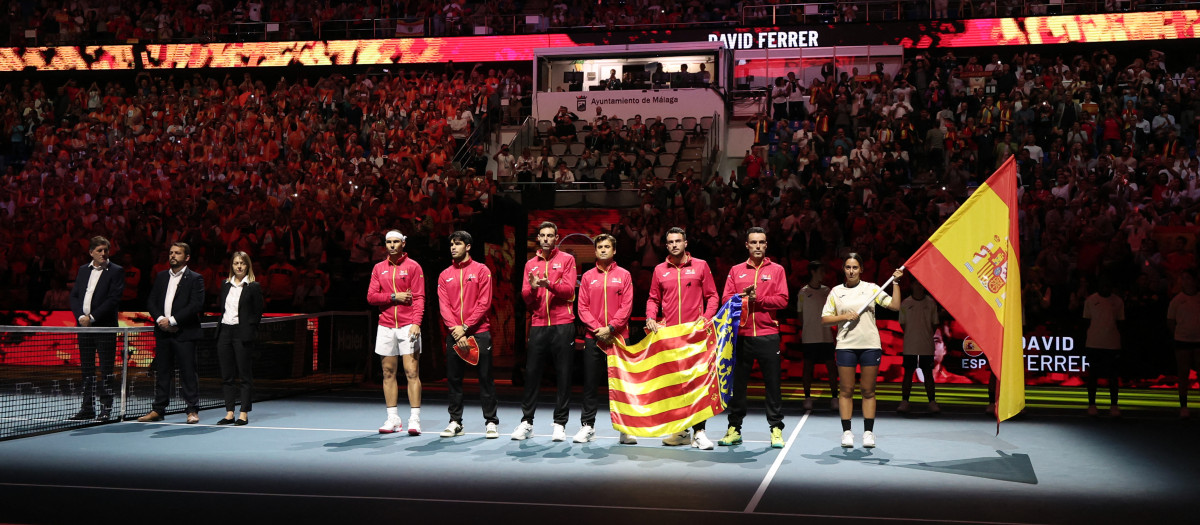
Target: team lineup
[682, 291]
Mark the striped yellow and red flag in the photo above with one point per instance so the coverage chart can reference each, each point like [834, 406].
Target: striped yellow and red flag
[971, 266]
[675, 377]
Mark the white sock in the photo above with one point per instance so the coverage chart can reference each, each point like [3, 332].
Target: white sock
[414, 412]
[392, 412]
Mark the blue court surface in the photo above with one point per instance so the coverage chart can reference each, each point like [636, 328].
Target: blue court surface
[319, 459]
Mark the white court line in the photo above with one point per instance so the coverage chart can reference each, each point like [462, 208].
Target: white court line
[762, 488]
[507, 503]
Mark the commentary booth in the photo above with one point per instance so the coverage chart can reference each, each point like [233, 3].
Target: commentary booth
[678, 80]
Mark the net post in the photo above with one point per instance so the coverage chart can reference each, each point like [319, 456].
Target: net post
[124, 373]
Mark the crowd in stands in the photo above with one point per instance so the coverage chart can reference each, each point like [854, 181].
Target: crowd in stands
[1105, 151]
[56, 22]
[304, 174]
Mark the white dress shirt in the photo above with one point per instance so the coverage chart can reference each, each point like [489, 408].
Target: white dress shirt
[93, 278]
[231, 301]
[172, 286]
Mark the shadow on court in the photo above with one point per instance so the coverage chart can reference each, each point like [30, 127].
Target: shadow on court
[1006, 467]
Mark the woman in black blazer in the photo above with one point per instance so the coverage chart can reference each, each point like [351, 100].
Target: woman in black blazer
[241, 310]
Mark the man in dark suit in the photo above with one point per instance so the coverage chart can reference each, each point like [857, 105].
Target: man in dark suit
[94, 298]
[175, 304]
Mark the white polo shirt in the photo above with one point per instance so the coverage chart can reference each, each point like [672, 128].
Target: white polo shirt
[862, 333]
[1104, 312]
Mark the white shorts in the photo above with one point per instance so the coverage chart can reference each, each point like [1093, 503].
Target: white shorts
[396, 341]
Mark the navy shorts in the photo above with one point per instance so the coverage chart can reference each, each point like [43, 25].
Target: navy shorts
[852, 357]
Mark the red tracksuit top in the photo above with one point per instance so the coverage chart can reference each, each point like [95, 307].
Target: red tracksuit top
[405, 275]
[758, 317]
[551, 305]
[465, 296]
[606, 299]
[682, 294]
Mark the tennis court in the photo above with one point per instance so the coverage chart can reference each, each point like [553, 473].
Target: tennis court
[318, 458]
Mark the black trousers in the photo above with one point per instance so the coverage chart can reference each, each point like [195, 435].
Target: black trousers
[1103, 362]
[456, 368]
[104, 346]
[549, 342]
[234, 356]
[765, 350]
[169, 351]
[779, 110]
[595, 373]
[796, 110]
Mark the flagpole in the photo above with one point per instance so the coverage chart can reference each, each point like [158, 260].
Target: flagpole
[862, 309]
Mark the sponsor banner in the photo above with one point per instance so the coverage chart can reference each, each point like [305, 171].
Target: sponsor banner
[67, 58]
[627, 103]
[979, 32]
[982, 32]
[390, 51]
[1054, 355]
[350, 52]
[766, 39]
[42, 349]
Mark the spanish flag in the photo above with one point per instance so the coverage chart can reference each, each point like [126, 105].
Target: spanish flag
[675, 377]
[970, 265]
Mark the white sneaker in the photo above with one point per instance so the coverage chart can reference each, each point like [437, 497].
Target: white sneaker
[702, 442]
[586, 433]
[903, 407]
[808, 403]
[393, 424]
[847, 439]
[675, 440]
[453, 429]
[490, 431]
[559, 433]
[868, 439]
[627, 439]
[414, 426]
[523, 431]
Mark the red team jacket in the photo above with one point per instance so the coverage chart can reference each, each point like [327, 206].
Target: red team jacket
[758, 317]
[606, 299]
[682, 294]
[403, 276]
[465, 296]
[551, 306]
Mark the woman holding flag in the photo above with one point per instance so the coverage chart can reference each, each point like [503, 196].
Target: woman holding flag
[851, 306]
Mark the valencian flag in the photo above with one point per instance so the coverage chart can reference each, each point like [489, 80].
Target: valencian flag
[970, 265]
[675, 377]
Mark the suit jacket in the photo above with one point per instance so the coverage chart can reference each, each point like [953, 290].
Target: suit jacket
[250, 309]
[189, 302]
[105, 297]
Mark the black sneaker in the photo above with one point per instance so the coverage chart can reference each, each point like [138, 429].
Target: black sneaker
[85, 414]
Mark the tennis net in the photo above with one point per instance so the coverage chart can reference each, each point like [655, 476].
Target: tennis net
[47, 385]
